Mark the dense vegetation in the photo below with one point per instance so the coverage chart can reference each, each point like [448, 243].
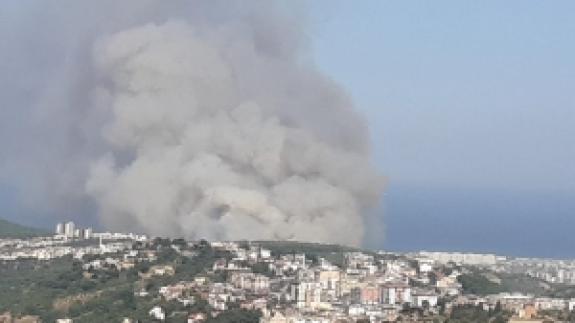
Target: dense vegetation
[13, 230]
[480, 282]
[30, 287]
[237, 316]
[476, 314]
[58, 289]
[566, 291]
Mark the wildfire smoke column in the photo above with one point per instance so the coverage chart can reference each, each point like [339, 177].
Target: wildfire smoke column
[202, 119]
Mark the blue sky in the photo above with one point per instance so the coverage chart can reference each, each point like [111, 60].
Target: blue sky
[461, 96]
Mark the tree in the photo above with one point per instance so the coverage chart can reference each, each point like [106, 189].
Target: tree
[499, 319]
[263, 269]
[161, 243]
[497, 308]
[180, 242]
[204, 244]
[237, 316]
[244, 245]
[478, 284]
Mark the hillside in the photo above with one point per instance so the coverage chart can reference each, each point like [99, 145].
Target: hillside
[13, 230]
[484, 282]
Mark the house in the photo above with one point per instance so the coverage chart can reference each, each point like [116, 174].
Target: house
[528, 312]
[448, 285]
[423, 299]
[157, 313]
[218, 304]
[219, 264]
[395, 293]
[425, 265]
[256, 304]
[171, 292]
[28, 319]
[356, 310]
[370, 294]
[141, 293]
[159, 271]
[255, 283]
[162, 270]
[187, 301]
[196, 318]
[265, 253]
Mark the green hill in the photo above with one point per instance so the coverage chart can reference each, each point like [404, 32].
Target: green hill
[13, 230]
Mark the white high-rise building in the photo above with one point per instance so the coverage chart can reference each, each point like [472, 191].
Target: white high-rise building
[86, 233]
[60, 228]
[69, 229]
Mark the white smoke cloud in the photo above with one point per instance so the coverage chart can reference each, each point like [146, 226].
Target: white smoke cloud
[206, 122]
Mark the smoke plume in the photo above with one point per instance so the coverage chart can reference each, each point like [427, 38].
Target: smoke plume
[202, 119]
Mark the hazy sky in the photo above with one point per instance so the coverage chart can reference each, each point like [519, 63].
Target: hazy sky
[471, 108]
[459, 93]
[462, 96]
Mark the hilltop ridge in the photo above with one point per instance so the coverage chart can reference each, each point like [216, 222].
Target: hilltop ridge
[13, 230]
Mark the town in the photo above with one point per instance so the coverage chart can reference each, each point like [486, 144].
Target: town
[156, 279]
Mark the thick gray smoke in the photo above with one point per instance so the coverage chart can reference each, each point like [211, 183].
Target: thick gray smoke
[182, 118]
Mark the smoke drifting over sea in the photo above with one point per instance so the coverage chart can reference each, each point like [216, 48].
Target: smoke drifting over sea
[181, 118]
